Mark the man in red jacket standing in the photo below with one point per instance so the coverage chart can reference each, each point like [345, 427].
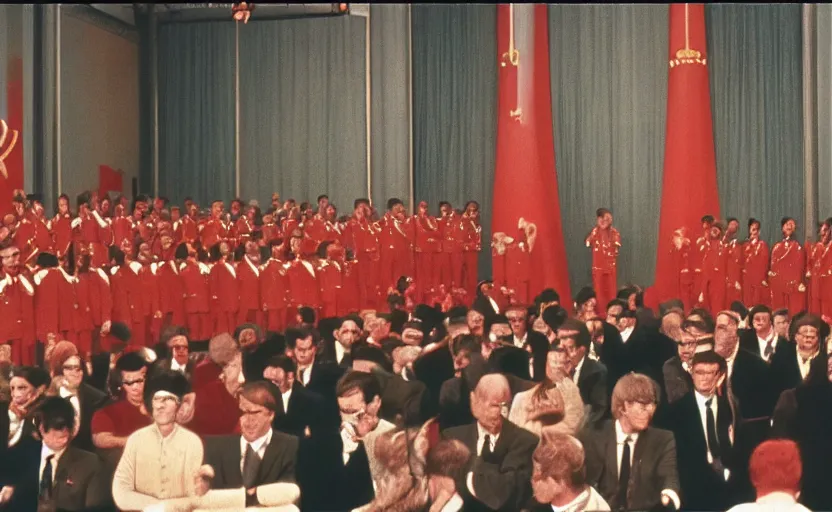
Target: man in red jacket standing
[248, 286]
[428, 249]
[17, 324]
[788, 265]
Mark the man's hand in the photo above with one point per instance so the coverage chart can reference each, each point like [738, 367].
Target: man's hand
[202, 480]
[6, 494]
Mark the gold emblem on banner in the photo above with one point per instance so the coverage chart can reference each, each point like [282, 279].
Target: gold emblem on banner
[510, 57]
[4, 132]
[687, 55]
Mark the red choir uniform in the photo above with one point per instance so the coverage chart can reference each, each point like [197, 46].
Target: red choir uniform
[123, 229]
[171, 294]
[428, 252]
[714, 277]
[163, 229]
[24, 239]
[362, 237]
[225, 297]
[128, 301]
[87, 229]
[146, 228]
[700, 251]
[304, 289]
[320, 230]
[151, 303]
[329, 278]
[273, 288]
[755, 273]
[186, 230]
[95, 306]
[733, 271]
[605, 245]
[450, 259]
[61, 234]
[17, 318]
[823, 271]
[243, 230]
[348, 298]
[288, 226]
[271, 232]
[248, 286]
[512, 268]
[471, 246]
[682, 284]
[43, 237]
[396, 247]
[788, 261]
[814, 253]
[105, 234]
[197, 294]
[212, 232]
[55, 305]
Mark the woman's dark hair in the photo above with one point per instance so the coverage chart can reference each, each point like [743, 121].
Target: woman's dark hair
[55, 413]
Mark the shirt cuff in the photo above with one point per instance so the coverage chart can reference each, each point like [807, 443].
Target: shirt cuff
[469, 481]
[674, 497]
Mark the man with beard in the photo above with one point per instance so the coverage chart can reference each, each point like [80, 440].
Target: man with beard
[788, 262]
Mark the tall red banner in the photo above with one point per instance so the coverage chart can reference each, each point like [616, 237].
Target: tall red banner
[689, 186]
[109, 180]
[527, 245]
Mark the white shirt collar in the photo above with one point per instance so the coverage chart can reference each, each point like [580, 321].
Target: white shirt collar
[701, 399]
[454, 504]
[620, 436]
[731, 358]
[578, 370]
[805, 367]
[286, 396]
[258, 445]
[521, 342]
[494, 305]
[481, 433]
[175, 366]
[626, 333]
[339, 352]
[45, 452]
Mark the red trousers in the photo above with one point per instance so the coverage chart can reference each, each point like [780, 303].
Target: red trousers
[225, 321]
[276, 320]
[792, 300]
[470, 262]
[394, 264]
[755, 294]
[427, 272]
[449, 266]
[605, 285]
[251, 316]
[368, 279]
[22, 354]
[199, 326]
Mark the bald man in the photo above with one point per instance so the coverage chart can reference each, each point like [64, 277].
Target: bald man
[498, 474]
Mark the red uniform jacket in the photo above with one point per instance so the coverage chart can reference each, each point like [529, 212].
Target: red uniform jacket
[703, 245]
[472, 237]
[452, 233]
[362, 237]
[55, 302]
[225, 294]
[186, 230]
[150, 290]
[329, 278]
[127, 290]
[17, 309]
[349, 294]
[195, 283]
[43, 238]
[304, 289]
[320, 230]
[734, 260]
[171, 291]
[512, 269]
[212, 233]
[395, 236]
[123, 229]
[94, 301]
[788, 264]
[24, 238]
[428, 234]
[248, 285]
[271, 232]
[243, 230]
[755, 264]
[273, 285]
[605, 247]
[62, 233]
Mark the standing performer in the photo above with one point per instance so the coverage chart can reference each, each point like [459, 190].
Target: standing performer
[450, 259]
[428, 251]
[703, 245]
[605, 242]
[733, 263]
[471, 247]
[362, 238]
[788, 262]
[714, 277]
[62, 227]
[682, 283]
[818, 262]
[755, 268]
[396, 244]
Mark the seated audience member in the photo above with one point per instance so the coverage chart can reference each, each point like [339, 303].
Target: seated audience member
[782, 323]
[216, 411]
[529, 340]
[27, 386]
[298, 412]
[313, 374]
[67, 370]
[676, 370]
[553, 405]
[160, 461]
[590, 376]
[469, 366]
[762, 338]
[705, 457]
[559, 477]
[791, 362]
[49, 474]
[644, 475]
[260, 457]
[179, 357]
[775, 470]
[346, 336]
[255, 352]
[112, 424]
[498, 474]
[446, 465]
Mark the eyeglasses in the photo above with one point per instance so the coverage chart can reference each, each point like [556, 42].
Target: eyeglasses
[179, 347]
[133, 382]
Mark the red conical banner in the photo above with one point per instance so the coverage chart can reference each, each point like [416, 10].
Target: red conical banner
[527, 246]
[689, 186]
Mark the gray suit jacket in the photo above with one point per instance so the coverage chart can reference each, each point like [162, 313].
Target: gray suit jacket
[653, 469]
[504, 481]
[677, 382]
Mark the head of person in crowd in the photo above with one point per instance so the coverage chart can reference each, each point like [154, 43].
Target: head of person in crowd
[281, 370]
[349, 331]
[463, 347]
[359, 402]
[248, 336]
[447, 463]
[558, 470]
[175, 340]
[490, 402]
[788, 227]
[776, 466]
[808, 336]
[633, 295]
[615, 309]
[575, 340]
[781, 321]
[257, 407]
[703, 315]
[378, 327]
[476, 322]
[27, 385]
[761, 320]
[518, 320]
[671, 325]
[726, 337]
[708, 369]
[412, 333]
[163, 395]
[742, 311]
[130, 377]
[224, 351]
[306, 317]
[585, 303]
[10, 257]
[305, 347]
[367, 358]
[634, 401]
[55, 421]
[66, 364]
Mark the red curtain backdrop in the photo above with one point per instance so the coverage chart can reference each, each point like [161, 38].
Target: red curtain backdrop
[525, 182]
[689, 185]
[109, 180]
[14, 162]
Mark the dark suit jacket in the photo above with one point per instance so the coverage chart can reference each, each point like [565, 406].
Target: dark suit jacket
[677, 382]
[653, 468]
[278, 464]
[402, 402]
[323, 379]
[503, 482]
[539, 345]
[752, 384]
[592, 383]
[703, 488]
[328, 355]
[784, 368]
[80, 482]
[306, 409]
[90, 399]
[748, 341]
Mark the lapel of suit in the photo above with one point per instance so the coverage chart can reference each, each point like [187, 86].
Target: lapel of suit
[62, 472]
[504, 440]
[611, 454]
[269, 460]
[233, 457]
[642, 443]
[471, 439]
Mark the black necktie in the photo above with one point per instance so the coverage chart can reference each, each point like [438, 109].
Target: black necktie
[624, 475]
[769, 348]
[486, 448]
[46, 479]
[710, 421]
[251, 464]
